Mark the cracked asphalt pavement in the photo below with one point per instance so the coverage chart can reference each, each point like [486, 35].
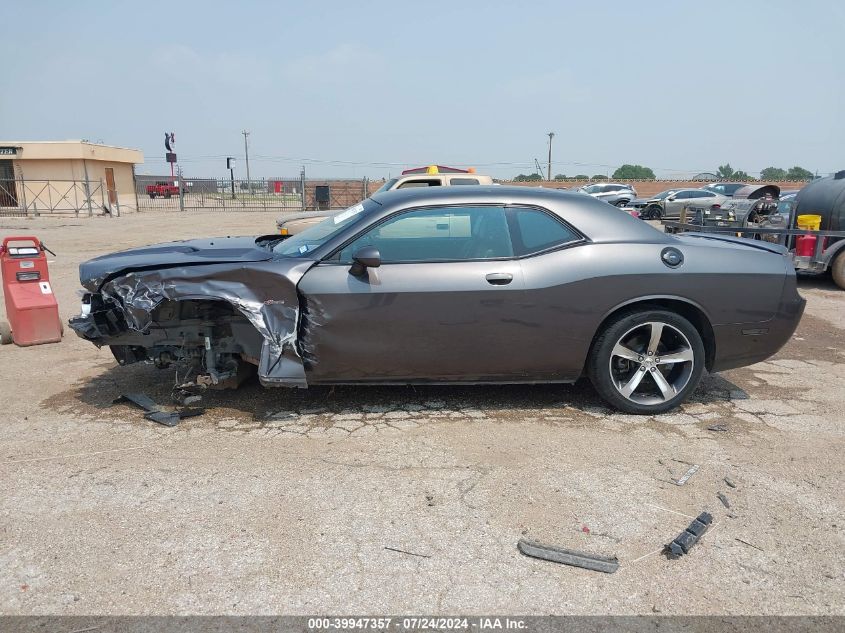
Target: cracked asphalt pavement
[400, 499]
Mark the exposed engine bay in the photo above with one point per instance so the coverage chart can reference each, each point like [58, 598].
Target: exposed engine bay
[213, 320]
[207, 342]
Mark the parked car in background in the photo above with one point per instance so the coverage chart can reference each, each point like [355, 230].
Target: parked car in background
[617, 194]
[429, 176]
[451, 285]
[751, 203]
[163, 189]
[668, 204]
[725, 188]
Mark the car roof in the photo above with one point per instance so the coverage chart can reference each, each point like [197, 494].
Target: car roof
[598, 220]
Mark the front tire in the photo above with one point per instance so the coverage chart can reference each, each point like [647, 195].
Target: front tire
[653, 212]
[646, 361]
[621, 203]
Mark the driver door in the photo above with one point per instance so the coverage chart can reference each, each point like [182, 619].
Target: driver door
[441, 306]
[674, 204]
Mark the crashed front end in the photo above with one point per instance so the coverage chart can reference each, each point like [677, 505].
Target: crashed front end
[210, 320]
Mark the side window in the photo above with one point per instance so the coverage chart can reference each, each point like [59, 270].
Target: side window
[705, 194]
[464, 181]
[419, 183]
[440, 234]
[685, 195]
[537, 231]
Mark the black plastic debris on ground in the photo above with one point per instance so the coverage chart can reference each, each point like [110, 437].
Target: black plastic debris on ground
[604, 564]
[689, 537]
[153, 411]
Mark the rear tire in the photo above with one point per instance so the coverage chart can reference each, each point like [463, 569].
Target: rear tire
[622, 203]
[837, 270]
[5, 333]
[646, 361]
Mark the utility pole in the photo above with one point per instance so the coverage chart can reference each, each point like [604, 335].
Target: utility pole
[246, 155]
[551, 136]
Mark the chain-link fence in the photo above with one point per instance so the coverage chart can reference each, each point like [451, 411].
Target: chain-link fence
[31, 198]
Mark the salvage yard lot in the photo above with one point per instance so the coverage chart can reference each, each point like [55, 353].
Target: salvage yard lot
[279, 501]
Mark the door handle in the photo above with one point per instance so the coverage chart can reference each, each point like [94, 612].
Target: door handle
[499, 279]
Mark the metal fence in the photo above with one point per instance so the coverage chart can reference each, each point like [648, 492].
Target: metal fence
[30, 198]
[267, 194]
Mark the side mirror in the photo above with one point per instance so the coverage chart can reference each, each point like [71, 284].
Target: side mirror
[671, 198]
[367, 257]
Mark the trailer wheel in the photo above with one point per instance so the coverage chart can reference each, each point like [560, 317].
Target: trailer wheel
[152, 196]
[5, 333]
[837, 269]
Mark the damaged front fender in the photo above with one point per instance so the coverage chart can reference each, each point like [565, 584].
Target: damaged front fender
[264, 292]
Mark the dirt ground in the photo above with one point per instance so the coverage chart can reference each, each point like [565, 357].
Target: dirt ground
[280, 501]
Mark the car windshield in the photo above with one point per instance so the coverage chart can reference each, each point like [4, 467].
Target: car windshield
[313, 237]
[386, 186]
[664, 194]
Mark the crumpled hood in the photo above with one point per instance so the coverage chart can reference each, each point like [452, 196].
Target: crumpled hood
[217, 250]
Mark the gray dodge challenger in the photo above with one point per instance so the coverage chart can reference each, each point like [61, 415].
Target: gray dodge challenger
[451, 285]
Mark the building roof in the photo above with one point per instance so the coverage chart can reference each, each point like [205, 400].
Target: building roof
[70, 150]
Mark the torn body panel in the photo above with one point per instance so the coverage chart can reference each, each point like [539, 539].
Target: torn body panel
[172, 313]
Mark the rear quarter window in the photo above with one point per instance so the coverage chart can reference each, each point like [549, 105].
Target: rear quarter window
[464, 181]
[536, 231]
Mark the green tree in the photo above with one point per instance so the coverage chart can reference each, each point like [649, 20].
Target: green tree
[633, 172]
[599, 177]
[725, 172]
[741, 175]
[799, 173]
[528, 178]
[581, 177]
[773, 173]
[560, 176]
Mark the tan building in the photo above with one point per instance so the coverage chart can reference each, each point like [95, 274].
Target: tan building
[42, 177]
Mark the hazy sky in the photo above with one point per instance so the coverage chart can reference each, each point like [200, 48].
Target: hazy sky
[356, 88]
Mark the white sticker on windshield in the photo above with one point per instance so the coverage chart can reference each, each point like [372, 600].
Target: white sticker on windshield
[345, 215]
[303, 249]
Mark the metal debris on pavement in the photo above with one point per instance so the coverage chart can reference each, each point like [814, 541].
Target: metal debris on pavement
[688, 474]
[730, 482]
[605, 564]
[153, 411]
[749, 544]
[723, 499]
[184, 397]
[404, 551]
[689, 537]
[718, 427]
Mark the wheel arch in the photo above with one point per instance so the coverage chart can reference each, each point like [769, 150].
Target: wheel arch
[833, 251]
[686, 308]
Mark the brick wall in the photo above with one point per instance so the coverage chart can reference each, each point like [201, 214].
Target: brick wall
[342, 193]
